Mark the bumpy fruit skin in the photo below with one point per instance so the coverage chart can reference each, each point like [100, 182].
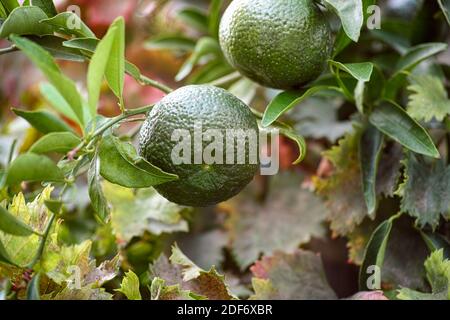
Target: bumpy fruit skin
[199, 185]
[282, 44]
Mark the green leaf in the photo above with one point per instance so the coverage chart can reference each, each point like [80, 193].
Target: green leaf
[424, 190]
[445, 7]
[12, 225]
[214, 17]
[205, 46]
[118, 169]
[393, 121]
[370, 148]
[429, 98]
[351, 14]
[135, 213]
[99, 63]
[3, 14]
[54, 45]
[374, 253]
[96, 195]
[4, 256]
[85, 44]
[70, 24]
[396, 41]
[130, 286]
[436, 242]
[408, 62]
[438, 275]
[33, 287]
[25, 21]
[59, 142]
[296, 276]
[419, 53]
[195, 17]
[342, 39]
[34, 168]
[44, 121]
[46, 5]
[10, 5]
[360, 71]
[57, 101]
[115, 68]
[287, 100]
[171, 43]
[44, 61]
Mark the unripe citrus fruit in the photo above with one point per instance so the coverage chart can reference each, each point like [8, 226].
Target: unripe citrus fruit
[202, 114]
[281, 44]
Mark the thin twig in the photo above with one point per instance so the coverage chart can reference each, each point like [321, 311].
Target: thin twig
[153, 83]
[8, 49]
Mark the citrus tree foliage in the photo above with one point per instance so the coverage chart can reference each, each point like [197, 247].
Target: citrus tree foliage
[79, 215]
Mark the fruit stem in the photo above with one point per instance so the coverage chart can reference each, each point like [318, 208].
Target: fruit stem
[125, 115]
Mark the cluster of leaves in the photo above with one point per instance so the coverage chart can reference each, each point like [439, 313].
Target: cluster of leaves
[384, 186]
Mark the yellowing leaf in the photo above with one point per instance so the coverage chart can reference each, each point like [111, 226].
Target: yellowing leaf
[343, 190]
[438, 275]
[182, 272]
[133, 214]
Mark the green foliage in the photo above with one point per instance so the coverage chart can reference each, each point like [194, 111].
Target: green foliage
[81, 212]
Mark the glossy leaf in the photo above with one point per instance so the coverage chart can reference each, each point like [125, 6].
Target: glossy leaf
[25, 21]
[419, 53]
[351, 14]
[69, 23]
[99, 63]
[117, 169]
[34, 168]
[46, 5]
[287, 100]
[342, 40]
[59, 142]
[12, 225]
[98, 200]
[44, 61]
[393, 121]
[370, 151]
[374, 253]
[115, 68]
[43, 121]
[360, 71]
[54, 46]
